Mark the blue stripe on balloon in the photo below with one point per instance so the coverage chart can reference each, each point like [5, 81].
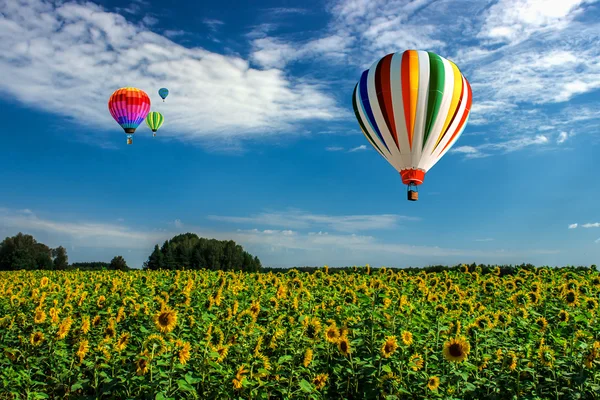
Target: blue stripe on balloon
[364, 96]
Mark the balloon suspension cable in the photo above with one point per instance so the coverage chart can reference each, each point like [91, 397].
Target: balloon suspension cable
[129, 139]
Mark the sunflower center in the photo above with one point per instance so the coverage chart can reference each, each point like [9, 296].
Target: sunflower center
[164, 319]
[455, 350]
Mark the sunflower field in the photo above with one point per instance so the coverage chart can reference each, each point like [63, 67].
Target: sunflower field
[362, 334]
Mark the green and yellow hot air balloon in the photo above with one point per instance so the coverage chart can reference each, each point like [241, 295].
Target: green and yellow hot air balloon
[154, 120]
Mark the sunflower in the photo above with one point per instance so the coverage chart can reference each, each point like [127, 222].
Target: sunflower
[255, 308]
[441, 309]
[563, 316]
[222, 351]
[512, 357]
[571, 297]
[590, 304]
[122, 342]
[510, 286]
[40, 316]
[320, 380]
[96, 321]
[44, 282]
[407, 338]
[155, 344]
[64, 328]
[520, 299]
[545, 355]
[433, 383]
[456, 349]
[534, 297]
[389, 346]
[109, 332]
[166, 319]
[142, 366]
[484, 322]
[84, 347]
[416, 362]
[308, 356]
[502, 318]
[542, 323]
[100, 302]
[332, 333]
[184, 353]
[37, 338]
[344, 346]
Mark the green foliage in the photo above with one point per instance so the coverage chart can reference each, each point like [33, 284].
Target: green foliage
[61, 260]
[90, 266]
[24, 252]
[188, 251]
[118, 263]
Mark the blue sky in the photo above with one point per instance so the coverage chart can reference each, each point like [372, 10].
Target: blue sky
[260, 144]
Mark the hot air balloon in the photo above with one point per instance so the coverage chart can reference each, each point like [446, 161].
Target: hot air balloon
[412, 107]
[163, 93]
[129, 107]
[154, 120]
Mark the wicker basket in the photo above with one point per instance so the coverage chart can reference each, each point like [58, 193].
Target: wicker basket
[413, 195]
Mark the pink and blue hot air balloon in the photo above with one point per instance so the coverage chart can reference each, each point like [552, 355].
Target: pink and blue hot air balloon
[129, 106]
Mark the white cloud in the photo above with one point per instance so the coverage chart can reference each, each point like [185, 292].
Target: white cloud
[178, 224]
[297, 219]
[358, 148]
[334, 148]
[511, 21]
[68, 58]
[591, 225]
[562, 137]
[573, 226]
[85, 234]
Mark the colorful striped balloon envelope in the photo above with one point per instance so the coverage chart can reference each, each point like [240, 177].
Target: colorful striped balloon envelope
[129, 107]
[412, 107]
[154, 120]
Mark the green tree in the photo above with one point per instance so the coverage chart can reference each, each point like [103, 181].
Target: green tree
[118, 263]
[61, 260]
[189, 251]
[24, 252]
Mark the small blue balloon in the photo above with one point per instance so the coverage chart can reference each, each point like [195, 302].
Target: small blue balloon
[163, 93]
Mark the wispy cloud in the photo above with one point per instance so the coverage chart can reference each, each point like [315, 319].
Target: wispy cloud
[507, 146]
[591, 225]
[81, 233]
[334, 148]
[358, 148]
[213, 24]
[80, 51]
[296, 219]
[573, 226]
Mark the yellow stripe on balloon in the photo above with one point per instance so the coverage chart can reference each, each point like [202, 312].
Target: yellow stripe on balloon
[454, 103]
[413, 67]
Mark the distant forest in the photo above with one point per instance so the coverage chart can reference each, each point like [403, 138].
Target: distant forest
[189, 251]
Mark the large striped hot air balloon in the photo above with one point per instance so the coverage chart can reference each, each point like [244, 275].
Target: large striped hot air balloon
[154, 120]
[412, 107]
[129, 107]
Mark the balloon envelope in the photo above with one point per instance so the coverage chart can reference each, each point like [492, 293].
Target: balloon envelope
[154, 120]
[412, 107]
[163, 93]
[129, 107]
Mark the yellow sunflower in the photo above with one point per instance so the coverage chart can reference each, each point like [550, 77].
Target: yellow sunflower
[308, 356]
[416, 362]
[332, 333]
[122, 342]
[433, 383]
[166, 320]
[37, 338]
[84, 347]
[320, 380]
[407, 338]
[389, 346]
[456, 349]
[563, 316]
[571, 297]
[344, 346]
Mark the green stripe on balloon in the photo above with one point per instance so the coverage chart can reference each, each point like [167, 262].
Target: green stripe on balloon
[436, 92]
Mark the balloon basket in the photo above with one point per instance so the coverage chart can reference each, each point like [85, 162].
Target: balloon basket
[129, 140]
[154, 134]
[412, 193]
